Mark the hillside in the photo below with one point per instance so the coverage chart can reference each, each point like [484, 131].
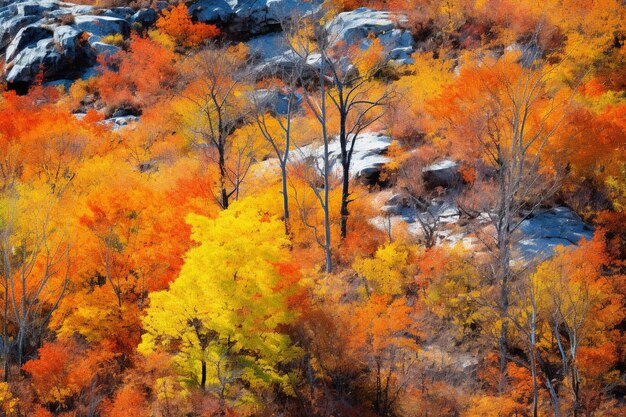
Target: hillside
[320, 208]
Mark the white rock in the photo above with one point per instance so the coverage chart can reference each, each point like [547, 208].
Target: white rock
[105, 49]
[367, 158]
[117, 123]
[356, 28]
[25, 36]
[547, 229]
[27, 63]
[250, 17]
[101, 25]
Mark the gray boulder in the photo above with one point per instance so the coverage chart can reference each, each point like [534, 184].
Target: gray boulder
[31, 8]
[119, 12]
[250, 17]
[35, 57]
[547, 229]
[146, 17]
[10, 26]
[356, 25]
[117, 123]
[102, 25]
[64, 51]
[268, 46]
[368, 157]
[286, 65]
[73, 46]
[213, 11]
[444, 174]
[276, 101]
[25, 37]
[260, 15]
[105, 48]
[66, 36]
[356, 28]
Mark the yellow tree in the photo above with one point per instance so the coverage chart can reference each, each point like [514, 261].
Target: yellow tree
[223, 317]
[390, 271]
[577, 307]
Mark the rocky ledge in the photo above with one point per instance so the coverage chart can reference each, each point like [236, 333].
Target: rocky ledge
[61, 40]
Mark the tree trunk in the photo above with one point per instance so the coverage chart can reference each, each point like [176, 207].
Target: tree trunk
[533, 371]
[203, 375]
[575, 386]
[20, 345]
[327, 250]
[283, 170]
[345, 196]
[533, 351]
[504, 306]
[323, 118]
[5, 332]
[503, 226]
[345, 165]
[222, 165]
[554, 397]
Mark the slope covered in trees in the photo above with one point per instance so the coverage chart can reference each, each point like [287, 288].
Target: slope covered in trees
[334, 208]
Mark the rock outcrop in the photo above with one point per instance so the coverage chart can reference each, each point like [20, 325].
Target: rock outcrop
[357, 27]
[54, 52]
[29, 44]
[60, 40]
[368, 157]
[444, 173]
[535, 239]
[547, 229]
[250, 17]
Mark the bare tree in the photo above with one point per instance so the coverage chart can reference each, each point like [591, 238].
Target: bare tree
[515, 117]
[356, 102]
[305, 41]
[428, 213]
[525, 321]
[268, 116]
[217, 81]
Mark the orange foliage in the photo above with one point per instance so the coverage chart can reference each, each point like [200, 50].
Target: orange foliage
[42, 140]
[365, 340]
[63, 369]
[139, 76]
[177, 24]
[128, 402]
[41, 412]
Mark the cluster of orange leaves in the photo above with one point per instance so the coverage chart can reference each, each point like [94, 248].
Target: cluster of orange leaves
[178, 24]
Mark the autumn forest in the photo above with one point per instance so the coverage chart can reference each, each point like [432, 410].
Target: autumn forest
[317, 208]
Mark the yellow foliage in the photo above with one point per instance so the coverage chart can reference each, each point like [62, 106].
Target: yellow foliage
[229, 302]
[491, 406]
[390, 270]
[162, 38]
[617, 189]
[7, 401]
[427, 78]
[114, 39]
[453, 285]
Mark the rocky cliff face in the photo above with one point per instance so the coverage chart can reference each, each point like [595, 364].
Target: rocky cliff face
[62, 40]
[57, 39]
